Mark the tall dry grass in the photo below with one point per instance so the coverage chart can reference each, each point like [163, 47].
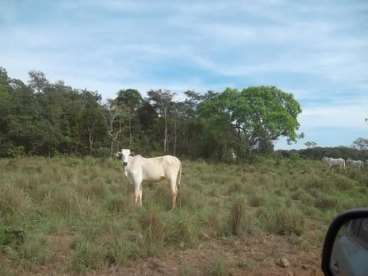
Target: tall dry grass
[85, 205]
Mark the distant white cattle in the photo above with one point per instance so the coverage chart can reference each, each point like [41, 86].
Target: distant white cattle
[233, 155]
[334, 162]
[139, 169]
[358, 164]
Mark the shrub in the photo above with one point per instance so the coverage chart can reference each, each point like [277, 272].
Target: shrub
[181, 229]
[282, 221]
[236, 217]
[186, 270]
[34, 249]
[13, 202]
[324, 201]
[255, 199]
[10, 236]
[153, 231]
[117, 203]
[86, 255]
[217, 268]
[119, 250]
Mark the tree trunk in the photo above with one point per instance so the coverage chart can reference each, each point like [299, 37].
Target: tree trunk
[130, 131]
[174, 150]
[165, 135]
[111, 147]
[90, 140]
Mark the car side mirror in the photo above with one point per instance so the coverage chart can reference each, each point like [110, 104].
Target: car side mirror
[345, 249]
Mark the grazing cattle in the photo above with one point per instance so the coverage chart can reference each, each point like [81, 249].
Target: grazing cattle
[233, 155]
[138, 169]
[334, 162]
[358, 164]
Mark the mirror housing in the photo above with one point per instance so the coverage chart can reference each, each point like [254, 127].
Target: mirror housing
[330, 239]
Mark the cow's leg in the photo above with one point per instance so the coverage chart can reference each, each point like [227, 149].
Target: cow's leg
[173, 199]
[140, 195]
[134, 193]
[136, 196]
[138, 191]
[174, 190]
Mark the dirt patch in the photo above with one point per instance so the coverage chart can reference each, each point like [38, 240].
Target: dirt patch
[249, 256]
[253, 255]
[60, 246]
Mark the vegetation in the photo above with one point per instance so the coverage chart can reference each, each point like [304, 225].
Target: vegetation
[43, 118]
[76, 213]
[317, 153]
[64, 202]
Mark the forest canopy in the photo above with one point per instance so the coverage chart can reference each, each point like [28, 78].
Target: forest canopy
[44, 118]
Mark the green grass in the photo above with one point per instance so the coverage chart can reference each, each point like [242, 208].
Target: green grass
[88, 203]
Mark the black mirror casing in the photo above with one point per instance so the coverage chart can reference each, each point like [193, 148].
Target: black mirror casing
[332, 232]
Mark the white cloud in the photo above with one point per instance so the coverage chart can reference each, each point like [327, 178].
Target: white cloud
[317, 49]
[344, 116]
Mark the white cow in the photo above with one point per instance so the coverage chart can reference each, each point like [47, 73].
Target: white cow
[355, 163]
[233, 155]
[334, 162]
[139, 169]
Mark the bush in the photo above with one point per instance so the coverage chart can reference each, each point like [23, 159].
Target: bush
[86, 255]
[14, 202]
[255, 199]
[216, 268]
[324, 201]
[282, 221]
[10, 236]
[237, 216]
[117, 204]
[181, 229]
[153, 230]
[34, 249]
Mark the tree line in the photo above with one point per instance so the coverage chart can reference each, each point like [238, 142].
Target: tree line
[317, 153]
[47, 118]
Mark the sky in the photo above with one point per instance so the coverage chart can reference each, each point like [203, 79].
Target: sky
[316, 50]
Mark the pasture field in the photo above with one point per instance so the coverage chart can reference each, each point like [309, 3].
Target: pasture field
[75, 216]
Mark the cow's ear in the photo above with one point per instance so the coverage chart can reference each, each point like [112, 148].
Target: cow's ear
[132, 153]
[118, 154]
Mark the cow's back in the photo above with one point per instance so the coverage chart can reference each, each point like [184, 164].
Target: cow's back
[151, 168]
[162, 166]
[155, 168]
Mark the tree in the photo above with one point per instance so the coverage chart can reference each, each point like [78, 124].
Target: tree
[161, 100]
[44, 117]
[38, 81]
[252, 118]
[148, 129]
[219, 134]
[5, 107]
[92, 119]
[265, 113]
[310, 144]
[25, 122]
[360, 144]
[130, 100]
[114, 121]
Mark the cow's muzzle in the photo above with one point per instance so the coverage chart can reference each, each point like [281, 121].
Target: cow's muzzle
[125, 164]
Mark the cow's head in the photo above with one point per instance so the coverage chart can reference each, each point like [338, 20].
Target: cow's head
[125, 153]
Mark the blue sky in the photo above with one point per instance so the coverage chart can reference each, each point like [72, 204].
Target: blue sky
[317, 50]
